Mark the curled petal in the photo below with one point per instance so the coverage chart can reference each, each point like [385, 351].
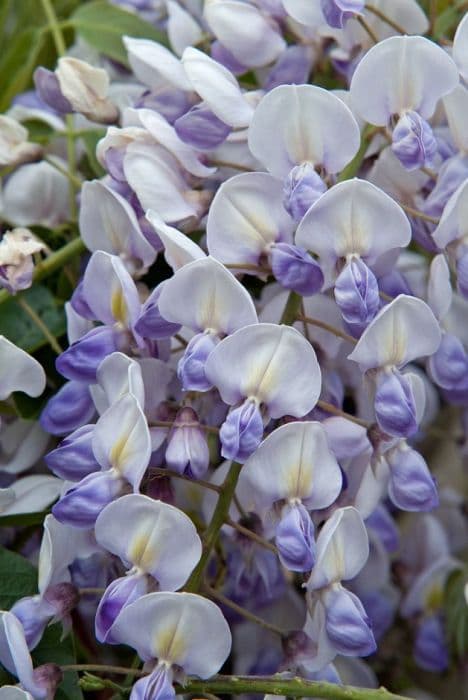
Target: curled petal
[159, 539]
[19, 371]
[121, 592]
[411, 485]
[181, 629]
[203, 295]
[295, 124]
[460, 48]
[70, 408]
[357, 293]
[342, 549]
[413, 142]
[400, 74]
[347, 624]
[241, 432]
[261, 361]
[295, 539]
[402, 331]
[394, 404]
[295, 269]
[80, 506]
[154, 65]
[246, 217]
[439, 288]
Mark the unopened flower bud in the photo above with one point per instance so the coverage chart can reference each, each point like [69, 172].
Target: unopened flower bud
[14, 146]
[16, 262]
[86, 88]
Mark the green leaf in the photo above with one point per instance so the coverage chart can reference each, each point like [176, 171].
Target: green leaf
[17, 64]
[18, 578]
[22, 519]
[102, 25]
[18, 326]
[90, 140]
[52, 650]
[456, 612]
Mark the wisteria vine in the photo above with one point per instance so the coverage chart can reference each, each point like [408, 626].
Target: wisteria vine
[242, 469]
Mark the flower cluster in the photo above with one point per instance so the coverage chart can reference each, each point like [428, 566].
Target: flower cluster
[255, 444]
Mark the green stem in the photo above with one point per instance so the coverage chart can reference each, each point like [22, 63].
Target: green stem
[61, 48]
[352, 168]
[220, 516]
[37, 320]
[291, 687]
[235, 685]
[73, 178]
[53, 262]
[292, 309]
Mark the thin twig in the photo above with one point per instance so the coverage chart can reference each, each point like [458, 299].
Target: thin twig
[197, 482]
[388, 20]
[242, 611]
[251, 535]
[418, 214]
[327, 327]
[330, 408]
[367, 29]
[170, 424]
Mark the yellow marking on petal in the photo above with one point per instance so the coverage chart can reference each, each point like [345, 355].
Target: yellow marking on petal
[170, 644]
[118, 306]
[119, 452]
[141, 554]
[434, 598]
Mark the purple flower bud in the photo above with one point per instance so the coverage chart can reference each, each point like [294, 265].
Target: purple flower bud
[347, 624]
[121, 592]
[449, 364]
[394, 404]
[430, 647]
[295, 269]
[48, 677]
[81, 505]
[79, 303]
[297, 648]
[81, 360]
[241, 432]
[413, 142]
[337, 12]
[187, 449]
[411, 485]
[301, 189]
[34, 614]
[48, 88]
[462, 273]
[191, 368]
[63, 598]
[68, 409]
[381, 611]
[295, 539]
[74, 459]
[201, 129]
[151, 324]
[221, 54]
[156, 686]
[168, 101]
[292, 68]
[357, 293]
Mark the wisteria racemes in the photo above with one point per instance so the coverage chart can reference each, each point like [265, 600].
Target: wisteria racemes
[234, 350]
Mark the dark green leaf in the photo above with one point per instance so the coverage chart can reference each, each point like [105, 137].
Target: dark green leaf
[456, 612]
[18, 578]
[27, 407]
[19, 327]
[90, 140]
[22, 519]
[17, 64]
[102, 25]
[52, 650]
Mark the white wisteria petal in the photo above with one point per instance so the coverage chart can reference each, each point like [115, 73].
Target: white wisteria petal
[19, 371]
[399, 74]
[245, 31]
[460, 47]
[296, 124]
[108, 222]
[14, 654]
[110, 291]
[353, 218]
[406, 13]
[306, 12]
[121, 440]
[165, 134]
[261, 361]
[117, 375]
[293, 462]
[182, 29]
[158, 539]
[179, 249]
[217, 87]
[453, 224]
[342, 549]
[439, 288]
[86, 88]
[456, 108]
[14, 692]
[33, 494]
[23, 444]
[154, 174]
[179, 628]
[154, 65]
[246, 217]
[205, 295]
[402, 331]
